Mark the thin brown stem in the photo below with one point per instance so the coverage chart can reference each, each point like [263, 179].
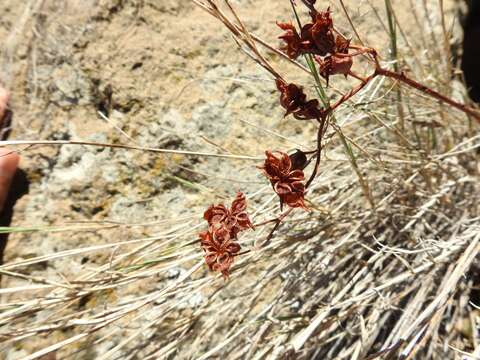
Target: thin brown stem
[408, 81]
[309, 6]
[240, 32]
[360, 51]
[425, 89]
[351, 93]
[357, 76]
[319, 152]
[278, 220]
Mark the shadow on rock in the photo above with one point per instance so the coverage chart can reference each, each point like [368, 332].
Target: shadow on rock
[471, 50]
[19, 187]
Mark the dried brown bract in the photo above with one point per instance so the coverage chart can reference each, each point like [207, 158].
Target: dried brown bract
[294, 100]
[294, 46]
[319, 33]
[337, 63]
[287, 182]
[234, 219]
[224, 224]
[333, 65]
[298, 159]
[318, 38]
[342, 45]
[220, 250]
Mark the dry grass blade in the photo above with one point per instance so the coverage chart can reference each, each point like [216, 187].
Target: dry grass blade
[119, 146]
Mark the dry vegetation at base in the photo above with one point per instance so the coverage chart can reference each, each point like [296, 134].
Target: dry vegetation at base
[102, 261]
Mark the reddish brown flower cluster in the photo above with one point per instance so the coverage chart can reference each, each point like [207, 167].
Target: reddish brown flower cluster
[333, 65]
[286, 180]
[220, 240]
[318, 38]
[294, 100]
[337, 63]
[294, 46]
[319, 33]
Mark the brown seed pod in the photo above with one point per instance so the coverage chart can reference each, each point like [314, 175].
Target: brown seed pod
[286, 181]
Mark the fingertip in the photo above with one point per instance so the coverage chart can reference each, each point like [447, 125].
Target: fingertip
[9, 160]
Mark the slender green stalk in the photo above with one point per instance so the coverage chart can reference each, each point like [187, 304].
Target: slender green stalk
[331, 117]
[392, 29]
[353, 161]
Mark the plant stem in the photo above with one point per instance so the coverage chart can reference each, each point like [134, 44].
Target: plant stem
[351, 93]
[394, 56]
[400, 76]
[278, 220]
[353, 162]
[319, 152]
[425, 89]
